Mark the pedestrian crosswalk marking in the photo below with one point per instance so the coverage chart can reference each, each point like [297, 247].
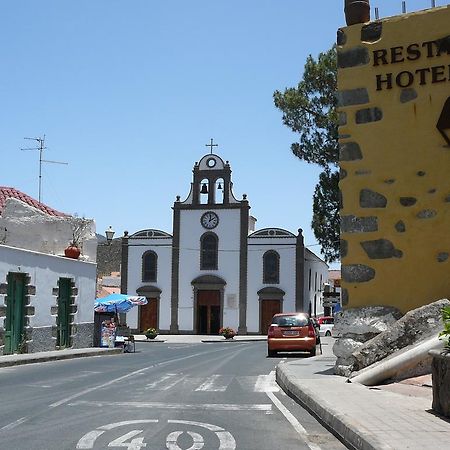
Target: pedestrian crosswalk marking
[166, 382]
[216, 383]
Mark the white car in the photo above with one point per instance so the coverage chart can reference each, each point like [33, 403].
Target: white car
[326, 325]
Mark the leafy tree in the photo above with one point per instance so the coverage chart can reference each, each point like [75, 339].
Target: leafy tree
[310, 110]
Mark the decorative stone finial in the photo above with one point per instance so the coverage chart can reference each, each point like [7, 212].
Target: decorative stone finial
[357, 11]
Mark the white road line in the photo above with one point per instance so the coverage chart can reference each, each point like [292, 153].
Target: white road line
[293, 421]
[215, 383]
[166, 382]
[14, 424]
[124, 377]
[266, 383]
[266, 407]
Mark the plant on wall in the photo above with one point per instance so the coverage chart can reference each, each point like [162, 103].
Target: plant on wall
[79, 227]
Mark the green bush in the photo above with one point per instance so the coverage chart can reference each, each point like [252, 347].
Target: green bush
[445, 334]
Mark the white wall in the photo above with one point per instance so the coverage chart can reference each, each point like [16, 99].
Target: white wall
[29, 228]
[44, 271]
[256, 249]
[313, 291]
[228, 231]
[163, 248]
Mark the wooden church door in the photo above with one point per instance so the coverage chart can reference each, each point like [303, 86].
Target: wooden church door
[268, 309]
[148, 314]
[208, 312]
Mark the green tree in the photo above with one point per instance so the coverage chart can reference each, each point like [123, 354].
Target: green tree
[310, 110]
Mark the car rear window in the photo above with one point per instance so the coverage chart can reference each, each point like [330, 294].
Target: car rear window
[290, 321]
[329, 321]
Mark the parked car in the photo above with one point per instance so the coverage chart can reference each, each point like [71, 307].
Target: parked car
[326, 324]
[315, 322]
[291, 332]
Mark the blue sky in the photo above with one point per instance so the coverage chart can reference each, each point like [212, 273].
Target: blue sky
[129, 93]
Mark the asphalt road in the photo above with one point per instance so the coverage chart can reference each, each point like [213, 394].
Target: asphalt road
[179, 396]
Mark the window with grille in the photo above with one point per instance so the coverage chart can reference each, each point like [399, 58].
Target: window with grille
[209, 246]
[149, 266]
[271, 267]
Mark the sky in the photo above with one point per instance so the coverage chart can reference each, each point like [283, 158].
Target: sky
[128, 94]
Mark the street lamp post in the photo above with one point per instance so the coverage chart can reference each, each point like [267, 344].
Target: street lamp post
[109, 235]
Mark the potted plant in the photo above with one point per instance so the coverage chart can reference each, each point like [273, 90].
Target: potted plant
[150, 333]
[440, 369]
[227, 332]
[79, 228]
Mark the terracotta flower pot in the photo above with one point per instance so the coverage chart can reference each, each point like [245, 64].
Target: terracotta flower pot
[72, 251]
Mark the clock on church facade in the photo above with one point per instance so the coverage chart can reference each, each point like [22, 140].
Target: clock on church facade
[214, 269]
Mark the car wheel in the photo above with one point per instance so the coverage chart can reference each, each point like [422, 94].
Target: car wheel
[313, 352]
[328, 333]
[271, 353]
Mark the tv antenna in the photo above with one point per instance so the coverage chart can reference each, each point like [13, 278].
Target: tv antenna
[41, 147]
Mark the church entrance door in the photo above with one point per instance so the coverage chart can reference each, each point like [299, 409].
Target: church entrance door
[208, 312]
[268, 309]
[148, 314]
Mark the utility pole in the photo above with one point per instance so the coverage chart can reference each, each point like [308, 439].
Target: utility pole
[41, 147]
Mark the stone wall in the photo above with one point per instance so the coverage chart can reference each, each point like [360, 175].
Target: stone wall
[394, 105]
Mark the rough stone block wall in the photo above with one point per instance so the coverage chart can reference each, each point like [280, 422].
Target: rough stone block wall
[394, 116]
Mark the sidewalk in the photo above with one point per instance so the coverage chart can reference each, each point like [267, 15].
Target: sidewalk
[389, 417]
[197, 338]
[30, 358]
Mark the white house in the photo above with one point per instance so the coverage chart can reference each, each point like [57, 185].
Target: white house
[215, 270]
[46, 299]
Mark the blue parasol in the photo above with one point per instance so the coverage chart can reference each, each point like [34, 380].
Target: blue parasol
[118, 303]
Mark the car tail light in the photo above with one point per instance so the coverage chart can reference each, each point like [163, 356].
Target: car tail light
[271, 332]
[311, 331]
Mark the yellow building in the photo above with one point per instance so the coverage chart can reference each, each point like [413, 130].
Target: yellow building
[394, 116]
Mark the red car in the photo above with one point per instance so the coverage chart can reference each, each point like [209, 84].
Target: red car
[291, 332]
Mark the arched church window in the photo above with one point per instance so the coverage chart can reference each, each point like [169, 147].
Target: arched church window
[149, 266]
[209, 247]
[271, 267]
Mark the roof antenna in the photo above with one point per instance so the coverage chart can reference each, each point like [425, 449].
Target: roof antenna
[377, 13]
[404, 7]
[41, 147]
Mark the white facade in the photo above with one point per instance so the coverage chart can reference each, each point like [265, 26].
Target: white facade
[46, 300]
[316, 275]
[213, 271]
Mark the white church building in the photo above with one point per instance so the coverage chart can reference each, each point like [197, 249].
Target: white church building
[215, 270]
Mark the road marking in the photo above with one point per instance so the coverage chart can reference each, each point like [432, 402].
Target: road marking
[267, 407]
[172, 378]
[216, 383]
[128, 375]
[14, 424]
[172, 441]
[226, 439]
[293, 421]
[88, 440]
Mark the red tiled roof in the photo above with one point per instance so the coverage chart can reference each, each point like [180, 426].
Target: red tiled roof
[9, 192]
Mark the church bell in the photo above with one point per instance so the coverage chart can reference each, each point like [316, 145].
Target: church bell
[204, 189]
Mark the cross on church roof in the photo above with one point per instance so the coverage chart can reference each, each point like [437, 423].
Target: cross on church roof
[211, 145]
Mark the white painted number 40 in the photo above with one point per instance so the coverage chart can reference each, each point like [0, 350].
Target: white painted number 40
[131, 442]
[171, 443]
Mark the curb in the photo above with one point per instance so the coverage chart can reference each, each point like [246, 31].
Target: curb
[209, 341]
[17, 360]
[332, 419]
